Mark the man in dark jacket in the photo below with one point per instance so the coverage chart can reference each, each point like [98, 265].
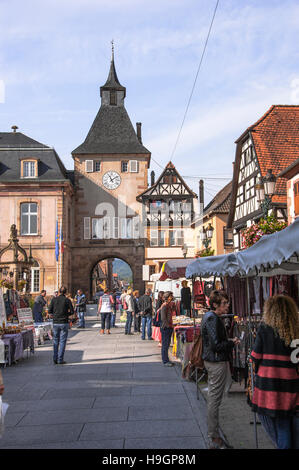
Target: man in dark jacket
[216, 352]
[146, 310]
[80, 307]
[38, 307]
[60, 308]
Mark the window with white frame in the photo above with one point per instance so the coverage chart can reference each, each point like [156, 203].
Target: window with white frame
[29, 169]
[35, 277]
[29, 218]
[126, 228]
[176, 238]
[157, 237]
[97, 228]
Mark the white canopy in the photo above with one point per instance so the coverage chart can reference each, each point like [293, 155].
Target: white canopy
[271, 250]
[272, 254]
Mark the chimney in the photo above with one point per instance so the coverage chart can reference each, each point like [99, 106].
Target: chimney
[201, 193]
[152, 178]
[138, 129]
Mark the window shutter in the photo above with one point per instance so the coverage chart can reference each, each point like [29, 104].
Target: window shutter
[89, 166]
[134, 166]
[115, 228]
[86, 228]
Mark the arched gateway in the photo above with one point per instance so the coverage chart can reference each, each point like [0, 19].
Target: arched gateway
[86, 259]
[110, 171]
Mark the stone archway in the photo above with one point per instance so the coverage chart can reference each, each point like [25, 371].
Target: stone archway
[85, 258]
[113, 273]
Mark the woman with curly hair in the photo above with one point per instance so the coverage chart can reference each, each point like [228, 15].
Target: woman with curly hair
[276, 385]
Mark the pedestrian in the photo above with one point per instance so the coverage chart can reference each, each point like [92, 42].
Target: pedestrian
[137, 317]
[1, 384]
[114, 308]
[217, 349]
[129, 300]
[105, 309]
[157, 335]
[80, 307]
[185, 299]
[122, 300]
[61, 309]
[38, 307]
[166, 327]
[146, 310]
[276, 385]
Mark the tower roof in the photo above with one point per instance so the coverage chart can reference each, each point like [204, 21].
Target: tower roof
[112, 131]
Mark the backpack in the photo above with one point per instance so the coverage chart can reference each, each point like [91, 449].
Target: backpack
[195, 358]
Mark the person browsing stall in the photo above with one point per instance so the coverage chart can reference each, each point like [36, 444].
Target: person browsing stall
[216, 353]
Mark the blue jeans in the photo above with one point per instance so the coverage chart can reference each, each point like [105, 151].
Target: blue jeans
[60, 333]
[113, 318]
[129, 322]
[106, 319]
[146, 322]
[279, 430]
[166, 338]
[81, 319]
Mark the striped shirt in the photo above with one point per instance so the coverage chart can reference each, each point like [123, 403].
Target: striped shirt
[276, 384]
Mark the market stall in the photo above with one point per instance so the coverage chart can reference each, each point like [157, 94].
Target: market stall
[185, 327]
[250, 276]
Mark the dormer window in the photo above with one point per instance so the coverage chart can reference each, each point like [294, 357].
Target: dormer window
[29, 169]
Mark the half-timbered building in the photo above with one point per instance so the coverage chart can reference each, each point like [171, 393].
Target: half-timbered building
[269, 144]
[169, 208]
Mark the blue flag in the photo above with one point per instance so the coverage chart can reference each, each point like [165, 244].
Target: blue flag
[57, 241]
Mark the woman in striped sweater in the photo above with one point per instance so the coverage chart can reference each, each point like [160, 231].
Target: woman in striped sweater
[276, 385]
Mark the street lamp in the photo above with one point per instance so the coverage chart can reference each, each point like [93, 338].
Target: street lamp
[265, 189]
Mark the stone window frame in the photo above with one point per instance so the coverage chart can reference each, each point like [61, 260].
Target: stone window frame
[27, 160]
[29, 201]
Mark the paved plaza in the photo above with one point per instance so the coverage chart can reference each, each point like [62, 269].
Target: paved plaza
[113, 393]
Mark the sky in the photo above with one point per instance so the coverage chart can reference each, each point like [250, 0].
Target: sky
[54, 56]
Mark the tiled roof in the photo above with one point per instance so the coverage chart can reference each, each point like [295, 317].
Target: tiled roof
[221, 202]
[276, 141]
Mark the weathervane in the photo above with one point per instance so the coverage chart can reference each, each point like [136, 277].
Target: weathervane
[112, 43]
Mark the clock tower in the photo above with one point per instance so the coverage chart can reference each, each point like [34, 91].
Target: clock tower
[110, 170]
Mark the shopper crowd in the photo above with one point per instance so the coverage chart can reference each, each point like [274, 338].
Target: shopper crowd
[275, 386]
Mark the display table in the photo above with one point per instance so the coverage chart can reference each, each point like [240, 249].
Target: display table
[43, 330]
[183, 342]
[17, 344]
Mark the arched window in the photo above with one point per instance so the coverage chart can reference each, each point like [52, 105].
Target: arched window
[35, 277]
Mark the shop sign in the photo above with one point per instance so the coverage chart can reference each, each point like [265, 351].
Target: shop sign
[25, 315]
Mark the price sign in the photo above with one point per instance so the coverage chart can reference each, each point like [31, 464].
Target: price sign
[25, 315]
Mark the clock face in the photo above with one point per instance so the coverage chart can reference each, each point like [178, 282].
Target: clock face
[111, 180]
